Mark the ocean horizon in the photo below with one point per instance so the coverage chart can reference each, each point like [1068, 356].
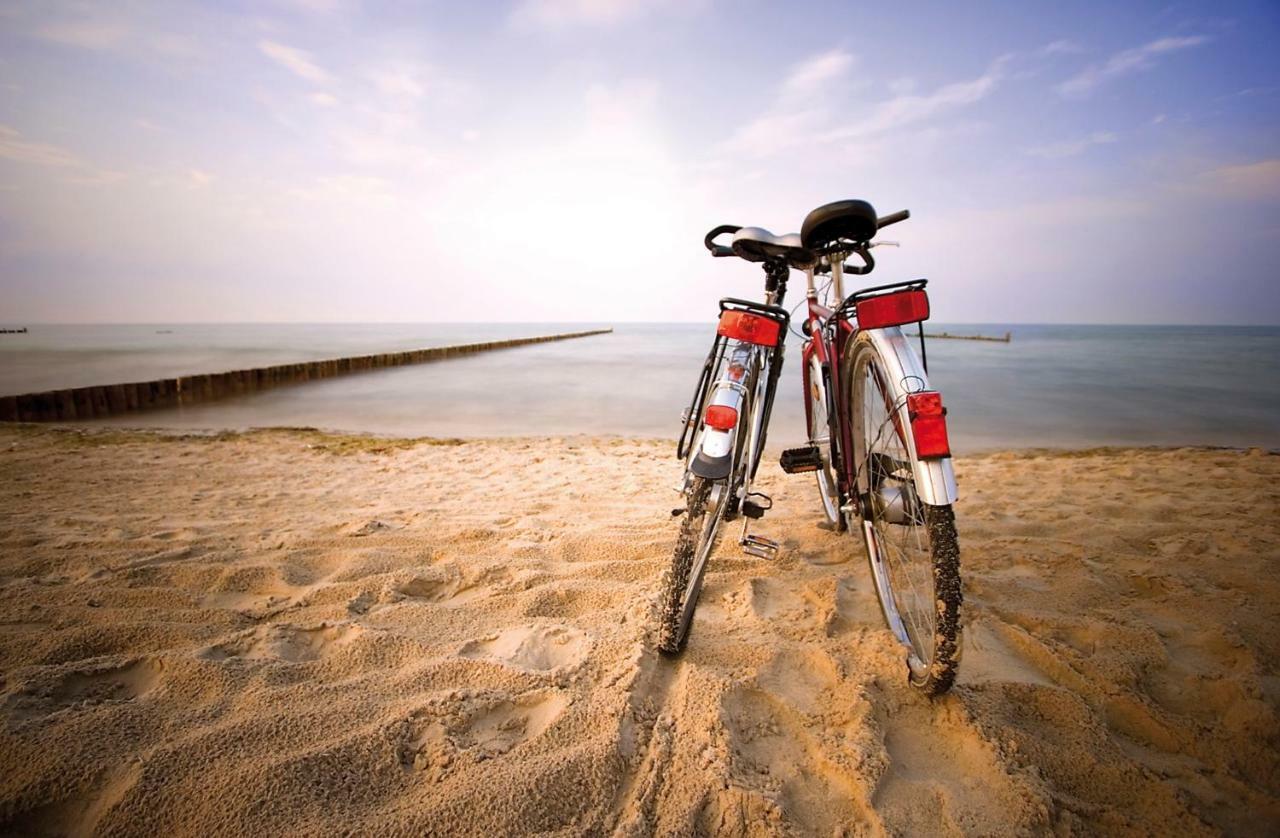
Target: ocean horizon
[1054, 385]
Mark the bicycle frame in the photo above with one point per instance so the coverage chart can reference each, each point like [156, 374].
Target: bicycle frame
[829, 337]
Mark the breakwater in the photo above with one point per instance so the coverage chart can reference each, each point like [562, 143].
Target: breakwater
[113, 399]
[1008, 336]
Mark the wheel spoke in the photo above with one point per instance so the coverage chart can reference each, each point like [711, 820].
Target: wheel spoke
[904, 548]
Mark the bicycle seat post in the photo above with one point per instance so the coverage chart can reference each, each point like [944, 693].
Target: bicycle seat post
[837, 276]
[776, 272]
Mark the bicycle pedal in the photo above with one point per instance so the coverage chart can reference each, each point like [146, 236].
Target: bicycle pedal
[752, 506]
[759, 546]
[801, 460]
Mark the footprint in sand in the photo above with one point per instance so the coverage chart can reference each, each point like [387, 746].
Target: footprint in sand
[446, 584]
[989, 657]
[775, 754]
[482, 727]
[286, 643]
[800, 677]
[82, 814]
[940, 768]
[113, 684]
[370, 527]
[501, 726]
[530, 648]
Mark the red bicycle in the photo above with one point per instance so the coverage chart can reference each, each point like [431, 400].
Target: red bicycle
[877, 444]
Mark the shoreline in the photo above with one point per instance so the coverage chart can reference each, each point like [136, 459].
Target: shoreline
[394, 441]
[286, 630]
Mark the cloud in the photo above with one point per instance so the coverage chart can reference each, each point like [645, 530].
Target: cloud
[1060, 47]
[796, 108]
[402, 81]
[909, 109]
[324, 100]
[794, 120]
[1071, 148]
[1249, 181]
[85, 34]
[812, 75]
[560, 13]
[1122, 63]
[295, 60]
[14, 147]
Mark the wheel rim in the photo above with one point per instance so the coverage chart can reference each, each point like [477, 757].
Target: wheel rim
[900, 554]
[819, 433]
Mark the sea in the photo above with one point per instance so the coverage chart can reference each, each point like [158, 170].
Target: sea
[1056, 386]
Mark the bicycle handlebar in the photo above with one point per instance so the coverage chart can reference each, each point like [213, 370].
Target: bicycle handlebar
[892, 218]
[868, 262]
[719, 249]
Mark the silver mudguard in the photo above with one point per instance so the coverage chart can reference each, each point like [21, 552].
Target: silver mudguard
[935, 478]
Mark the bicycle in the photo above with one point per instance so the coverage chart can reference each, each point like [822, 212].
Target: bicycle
[877, 445]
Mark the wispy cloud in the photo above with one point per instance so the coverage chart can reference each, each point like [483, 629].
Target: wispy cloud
[1249, 181]
[812, 75]
[14, 147]
[560, 13]
[84, 34]
[1060, 47]
[1071, 148]
[910, 109]
[1125, 62]
[296, 61]
[796, 119]
[400, 80]
[74, 170]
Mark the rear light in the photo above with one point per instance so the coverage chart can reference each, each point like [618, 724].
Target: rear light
[893, 309]
[928, 424]
[721, 418]
[752, 328]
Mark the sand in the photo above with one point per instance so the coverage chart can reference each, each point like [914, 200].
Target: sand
[287, 632]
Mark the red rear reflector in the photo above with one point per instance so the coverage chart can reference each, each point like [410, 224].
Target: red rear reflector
[893, 309]
[721, 418]
[752, 328]
[928, 425]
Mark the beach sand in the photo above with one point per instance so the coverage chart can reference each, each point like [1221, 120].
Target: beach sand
[288, 632]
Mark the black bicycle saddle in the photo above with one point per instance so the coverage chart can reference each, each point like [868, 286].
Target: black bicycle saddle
[852, 220]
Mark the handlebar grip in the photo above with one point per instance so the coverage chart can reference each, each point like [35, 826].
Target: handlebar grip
[719, 249]
[893, 218]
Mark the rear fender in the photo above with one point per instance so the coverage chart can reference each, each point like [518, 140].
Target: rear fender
[713, 459]
[935, 478]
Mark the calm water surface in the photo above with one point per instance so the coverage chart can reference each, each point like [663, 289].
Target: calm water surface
[1063, 386]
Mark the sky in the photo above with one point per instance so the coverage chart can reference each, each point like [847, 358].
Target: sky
[560, 160]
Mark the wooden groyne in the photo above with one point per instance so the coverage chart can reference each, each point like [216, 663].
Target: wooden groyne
[112, 399]
[1008, 336]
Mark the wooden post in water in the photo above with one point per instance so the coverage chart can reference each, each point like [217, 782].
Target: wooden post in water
[81, 403]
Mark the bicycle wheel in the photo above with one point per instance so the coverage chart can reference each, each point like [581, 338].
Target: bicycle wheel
[682, 582]
[911, 545]
[820, 437]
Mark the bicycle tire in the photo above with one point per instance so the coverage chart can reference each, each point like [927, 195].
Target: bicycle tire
[914, 561]
[682, 581]
[820, 425]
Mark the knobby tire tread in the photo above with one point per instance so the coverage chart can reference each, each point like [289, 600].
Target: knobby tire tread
[945, 546]
[676, 578]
